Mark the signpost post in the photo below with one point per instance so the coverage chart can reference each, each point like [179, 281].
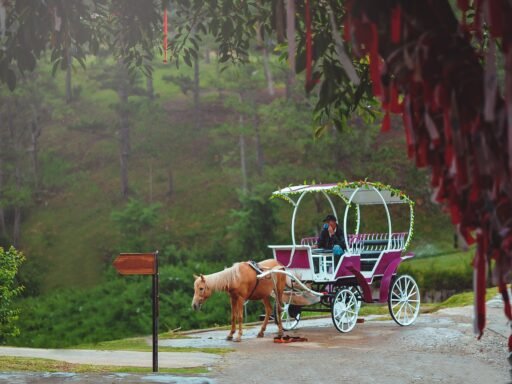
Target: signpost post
[143, 264]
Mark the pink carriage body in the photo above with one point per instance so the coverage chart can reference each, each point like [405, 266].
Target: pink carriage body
[370, 256]
[342, 281]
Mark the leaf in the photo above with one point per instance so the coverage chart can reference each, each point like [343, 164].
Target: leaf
[320, 130]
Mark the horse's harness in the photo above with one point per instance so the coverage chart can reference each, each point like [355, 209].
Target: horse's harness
[254, 265]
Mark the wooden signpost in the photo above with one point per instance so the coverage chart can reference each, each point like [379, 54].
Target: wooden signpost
[143, 264]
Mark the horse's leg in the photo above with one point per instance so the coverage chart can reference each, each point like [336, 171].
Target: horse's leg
[279, 289]
[233, 317]
[240, 317]
[268, 310]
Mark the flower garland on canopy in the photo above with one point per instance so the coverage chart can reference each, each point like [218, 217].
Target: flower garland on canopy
[365, 184]
[353, 185]
[456, 120]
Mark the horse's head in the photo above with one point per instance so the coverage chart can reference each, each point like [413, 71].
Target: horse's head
[201, 292]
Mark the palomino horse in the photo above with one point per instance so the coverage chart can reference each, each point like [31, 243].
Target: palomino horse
[241, 284]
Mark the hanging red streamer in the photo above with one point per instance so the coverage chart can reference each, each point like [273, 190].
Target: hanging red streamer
[309, 48]
[165, 35]
[480, 280]
[375, 61]
[396, 24]
[386, 122]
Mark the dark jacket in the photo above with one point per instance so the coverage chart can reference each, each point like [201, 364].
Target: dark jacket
[325, 241]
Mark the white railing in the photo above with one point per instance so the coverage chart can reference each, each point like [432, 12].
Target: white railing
[376, 242]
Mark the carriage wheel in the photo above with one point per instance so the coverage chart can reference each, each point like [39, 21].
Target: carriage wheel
[290, 316]
[404, 300]
[344, 310]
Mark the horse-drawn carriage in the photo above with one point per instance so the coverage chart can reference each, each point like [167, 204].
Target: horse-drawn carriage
[323, 281]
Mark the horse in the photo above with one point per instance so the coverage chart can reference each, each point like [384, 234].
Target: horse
[241, 283]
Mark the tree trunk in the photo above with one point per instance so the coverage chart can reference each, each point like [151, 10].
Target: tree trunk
[124, 136]
[17, 182]
[69, 92]
[290, 78]
[3, 227]
[207, 55]
[150, 180]
[149, 88]
[170, 183]
[268, 72]
[260, 158]
[16, 232]
[196, 92]
[35, 133]
[243, 164]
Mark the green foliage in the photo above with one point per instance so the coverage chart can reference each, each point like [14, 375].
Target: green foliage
[89, 125]
[134, 223]
[10, 262]
[119, 308]
[253, 227]
[55, 171]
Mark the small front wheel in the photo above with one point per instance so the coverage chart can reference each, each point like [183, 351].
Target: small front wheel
[344, 310]
[404, 300]
[290, 316]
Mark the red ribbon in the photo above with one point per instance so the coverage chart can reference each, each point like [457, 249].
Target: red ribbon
[165, 35]
[375, 61]
[386, 122]
[506, 299]
[309, 48]
[496, 8]
[396, 24]
[479, 280]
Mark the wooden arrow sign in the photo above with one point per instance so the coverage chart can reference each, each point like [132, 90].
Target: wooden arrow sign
[135, 264]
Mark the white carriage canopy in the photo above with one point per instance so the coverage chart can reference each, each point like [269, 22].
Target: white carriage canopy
[367, 193]
[353, 194]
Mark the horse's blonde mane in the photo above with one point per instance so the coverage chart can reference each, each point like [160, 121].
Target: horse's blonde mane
[223, 280]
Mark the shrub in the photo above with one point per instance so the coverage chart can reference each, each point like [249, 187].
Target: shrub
[10, 262]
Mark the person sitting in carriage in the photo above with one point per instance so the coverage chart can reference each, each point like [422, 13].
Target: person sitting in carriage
[332, 236]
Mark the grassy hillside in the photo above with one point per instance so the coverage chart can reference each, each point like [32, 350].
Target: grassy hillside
[69, 233]
[78, 221]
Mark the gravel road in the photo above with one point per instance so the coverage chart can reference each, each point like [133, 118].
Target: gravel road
[438, 348]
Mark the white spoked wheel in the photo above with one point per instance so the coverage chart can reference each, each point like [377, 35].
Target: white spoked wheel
[344, 310]
[358, 296]
[404, 300]
[290, 316]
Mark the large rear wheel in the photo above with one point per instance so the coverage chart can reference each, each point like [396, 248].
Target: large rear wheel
[404, 300]
[344, 310]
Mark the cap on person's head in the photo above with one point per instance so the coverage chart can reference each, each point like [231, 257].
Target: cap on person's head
[329, 218]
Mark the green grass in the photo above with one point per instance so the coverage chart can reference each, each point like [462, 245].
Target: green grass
[23, 364]
[142, 345]
[462, 300]
[446, 260]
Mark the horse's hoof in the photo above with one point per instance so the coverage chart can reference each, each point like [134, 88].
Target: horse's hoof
[260, 334]
[229, 338]
[237, 339]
